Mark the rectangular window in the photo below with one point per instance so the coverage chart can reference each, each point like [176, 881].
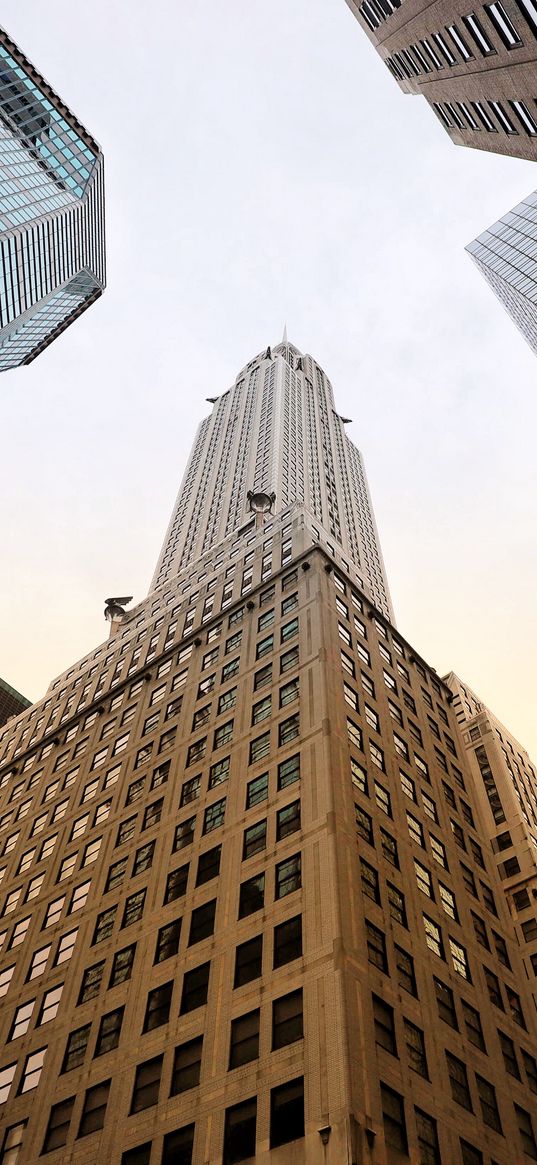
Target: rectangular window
[458, 1079]
[184, 834]
[240, 1132]
[157, 1011]
[109, 1032]
[287, 1113]
[176, 884]
[146, 1084]
[288, 876]
[244, 1043]
[57, 1130]
[376, 947]
[287, 1020]
[393, 1115]
[122, 965]
[384, 1025]
[186, 1068]
[94, 1110]
[75, 1049]
[195, 988]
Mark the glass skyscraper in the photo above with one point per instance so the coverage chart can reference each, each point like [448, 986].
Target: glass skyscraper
[506, 255]
[52, 260]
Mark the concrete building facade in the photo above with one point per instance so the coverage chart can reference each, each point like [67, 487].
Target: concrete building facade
[52, 256]
[476, 66]
[250, 911]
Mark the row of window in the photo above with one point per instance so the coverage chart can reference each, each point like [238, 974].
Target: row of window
[490, 116]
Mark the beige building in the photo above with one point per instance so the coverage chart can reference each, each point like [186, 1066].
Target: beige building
[506, 784]
[476, 66]
[250, 910]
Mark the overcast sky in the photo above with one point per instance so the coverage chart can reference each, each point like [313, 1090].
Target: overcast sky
[262, 166]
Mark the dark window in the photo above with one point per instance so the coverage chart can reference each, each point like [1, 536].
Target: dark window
[364, 824]
[257, 790]
[370, 881]
[287, 820]
[489, 1104]
[248, 961]
[186, 1066]
[91, 982]
[244, 1043]
[288, 876]
[214, 815]
[190, 791]
[287, 1019]
[152, 814]
[109, 1032]
[406, 977]
[209, 865]
[445, 1003]
[251, 895]
[143, 859]
[458, 1079]
[384, 1025]
[94, 1111]
[469, 1154]
[178, 1147]
[287, 1112]
[526, 1131]
[202, 922]
[288, 941]
[75, 1049]
[104, 925]
[122, 965]
[140, 1155]
[396, 904]
[388, 846]
[472, 1022]
[146, 1084]
[157, 1011]
[126, 830]
[134, 908]
[255, 839]
[168, 941]
[57, 1128]
[239, 1132]
[176, 883]
[184, 834]
[415, 1046]
[427, 1138]
[116, 873]
[376, 947]
[393, 1115]
[195, 988]
[509, 1055]
[289, 771]
[530, 1064]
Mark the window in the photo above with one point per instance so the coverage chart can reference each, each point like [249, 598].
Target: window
[526, 1132]
[469, 1154]
[146, 1084]
[288, 771]
[433, 937]
[438, 852]
[244, 1045]
[91, 982]
[134, 908]
[447, 902]
[264, 646]
[57, 1128]
[389, 848]
[178, 1147]
[364, 824]
[255, 839]
[257, 790]
[393, 1116]
[370, 881]
[251, 895]
[288, 876]
[288, 941]
[289, 660]
[223, 734]
[509, 1055]
[263, 676]
[384, 1025]
[377, 756]
[248, 960]
[75, 1049]
[489, 1105]
[406, 977]
[49, 1005]
[287, 820]
[195, 988]
[415, 1046]
[157, 1011]
[168, 941]
[458, 1079]
[240, 1132]
[287, 1113]
[122, 965]
[143, 859]
[424, 879]
[152, 814]
[376, 947]
[515, 1007]
[383, 799]
[126, 830]
[359, 776]
[214, 815]
[427, 1138]
[208, 865]
[176, 884]
[22, 1019]
[116, 874]
[396, 905]
[227, 700]
[6, 1080]
[94, 1110]
[186, 1067]
[287, 1020]
[109, 1032]
[184, 834]
[202, 922]
[530, 1064]
[473, 1025]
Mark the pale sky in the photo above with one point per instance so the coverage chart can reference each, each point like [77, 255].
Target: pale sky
[262, 166]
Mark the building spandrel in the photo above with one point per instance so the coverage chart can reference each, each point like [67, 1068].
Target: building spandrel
[52, 257]
[506, 255]
[475, 67]
[275, 430]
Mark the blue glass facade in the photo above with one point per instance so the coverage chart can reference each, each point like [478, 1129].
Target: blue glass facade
[506, 255]
[52, 257]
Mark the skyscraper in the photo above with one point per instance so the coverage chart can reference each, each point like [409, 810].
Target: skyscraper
[475, 67]
[250, 911]
[11, 702]
[275, 430]
[52, 260]
[506, 255]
